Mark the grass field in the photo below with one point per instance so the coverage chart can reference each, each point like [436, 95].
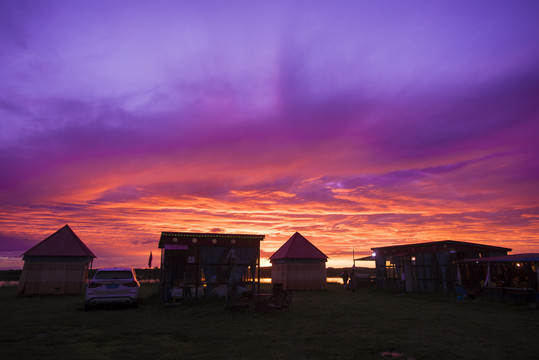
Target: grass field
[331, 324]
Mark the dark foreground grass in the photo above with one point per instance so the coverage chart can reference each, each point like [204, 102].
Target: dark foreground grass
[332, 324]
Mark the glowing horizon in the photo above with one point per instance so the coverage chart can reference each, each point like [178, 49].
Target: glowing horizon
[355, 124]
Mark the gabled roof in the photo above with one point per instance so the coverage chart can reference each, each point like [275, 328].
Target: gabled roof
[297, 247]
[63, 242]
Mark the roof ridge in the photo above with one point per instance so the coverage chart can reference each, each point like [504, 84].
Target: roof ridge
[83, 245]
[44, 249]
[297, 246]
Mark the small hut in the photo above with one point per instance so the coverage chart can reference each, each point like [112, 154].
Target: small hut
[429, 266]
[57, 265]
[203, 264]
[506, 277]
[299, 265]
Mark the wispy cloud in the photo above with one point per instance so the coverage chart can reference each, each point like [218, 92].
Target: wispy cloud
[354, 124]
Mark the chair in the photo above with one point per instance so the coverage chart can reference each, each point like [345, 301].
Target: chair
[279, 301]
[288, 301]
[234, 301]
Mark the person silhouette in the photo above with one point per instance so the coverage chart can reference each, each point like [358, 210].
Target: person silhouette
[345, 278]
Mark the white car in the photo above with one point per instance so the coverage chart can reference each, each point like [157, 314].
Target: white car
[112, 286]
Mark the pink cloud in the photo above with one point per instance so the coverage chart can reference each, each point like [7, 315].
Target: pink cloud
[317, 119]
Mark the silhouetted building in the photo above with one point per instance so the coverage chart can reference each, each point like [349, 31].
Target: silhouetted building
[514, 276]
[299, 265]
[430, 266]
[57, 265]
[201, 264]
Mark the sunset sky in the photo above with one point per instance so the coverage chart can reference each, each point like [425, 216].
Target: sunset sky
[357, 123]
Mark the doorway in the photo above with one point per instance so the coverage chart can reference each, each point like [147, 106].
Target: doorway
[408, 275]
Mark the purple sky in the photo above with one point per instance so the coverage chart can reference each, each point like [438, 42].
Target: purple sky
[359, 124]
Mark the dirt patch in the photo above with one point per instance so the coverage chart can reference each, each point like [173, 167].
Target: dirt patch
[393, 354]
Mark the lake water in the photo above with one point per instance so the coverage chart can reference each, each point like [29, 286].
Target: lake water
[336, 280]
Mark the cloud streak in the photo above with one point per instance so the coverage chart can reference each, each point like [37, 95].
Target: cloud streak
[357, 125]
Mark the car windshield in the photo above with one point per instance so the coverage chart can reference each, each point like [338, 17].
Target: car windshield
[114, 274]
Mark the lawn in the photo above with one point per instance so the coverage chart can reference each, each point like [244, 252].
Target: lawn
[331, 324]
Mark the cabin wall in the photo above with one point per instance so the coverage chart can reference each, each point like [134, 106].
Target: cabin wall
[207, 269]
[381, 278]
[426, 271]
[53, 276]
[299, 276]
[173, 266]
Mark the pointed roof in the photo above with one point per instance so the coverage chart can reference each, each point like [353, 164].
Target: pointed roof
[63, 242]
[297, 247]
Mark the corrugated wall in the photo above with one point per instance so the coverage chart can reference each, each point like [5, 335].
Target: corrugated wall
[53, 278]
[300, 276]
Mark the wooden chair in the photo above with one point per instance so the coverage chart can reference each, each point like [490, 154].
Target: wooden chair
[235, 301]
[279, 301]
[288, 301]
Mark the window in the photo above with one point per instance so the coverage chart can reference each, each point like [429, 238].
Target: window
[113, 275]
[391, 268]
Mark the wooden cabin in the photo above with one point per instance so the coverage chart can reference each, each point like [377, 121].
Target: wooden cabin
[202, 264]
[507, 277]
[430, 266]
[57, 265]
[299, 265]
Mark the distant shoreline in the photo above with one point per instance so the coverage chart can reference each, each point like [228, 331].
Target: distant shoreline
[10, 275]
[265, 272]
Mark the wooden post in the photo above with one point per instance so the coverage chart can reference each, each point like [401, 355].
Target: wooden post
[258, 265]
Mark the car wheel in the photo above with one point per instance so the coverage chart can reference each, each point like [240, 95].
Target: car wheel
[87, 307]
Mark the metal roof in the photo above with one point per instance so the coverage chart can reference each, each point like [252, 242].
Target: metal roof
[449, 244]
[507, 258]
[209, 239]
[63, 242]
[297, 247]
